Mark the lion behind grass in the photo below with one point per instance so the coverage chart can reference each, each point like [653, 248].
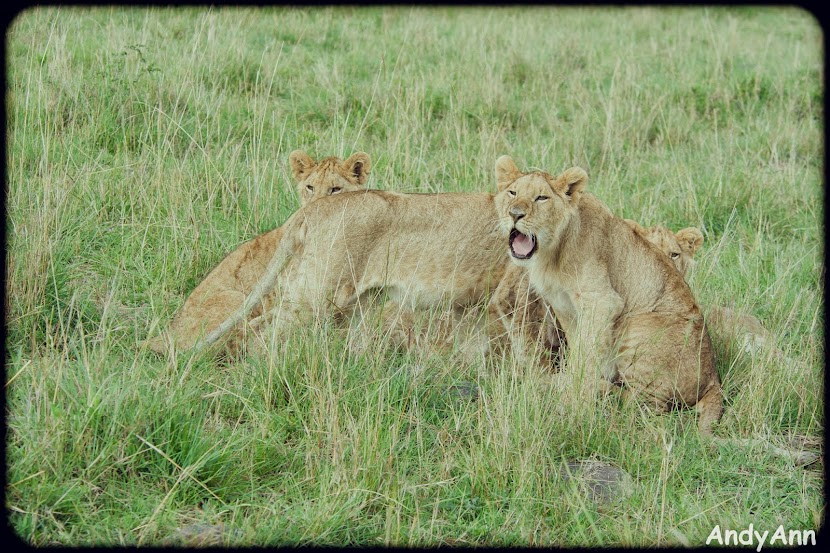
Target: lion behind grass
[421, 250]
[229, 283]
[612, 291]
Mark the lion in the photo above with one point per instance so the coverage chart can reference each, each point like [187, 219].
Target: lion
[612, 291]
[680, 247]
[422, 251]
[227, 285]
[519, 317]
[611, 286]
[731, 325]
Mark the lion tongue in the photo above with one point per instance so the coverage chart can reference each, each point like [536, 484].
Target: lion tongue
[522, 244]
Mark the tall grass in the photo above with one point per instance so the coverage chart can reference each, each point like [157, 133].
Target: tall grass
[145, 144]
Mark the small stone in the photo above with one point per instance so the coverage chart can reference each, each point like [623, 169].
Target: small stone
[202, 535]
[465, 390]
[602, 482]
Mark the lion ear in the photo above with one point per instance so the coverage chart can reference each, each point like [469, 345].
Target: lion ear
[506, 172]
[571, 182]
[301, 164]
[690, 239]
[359, 164]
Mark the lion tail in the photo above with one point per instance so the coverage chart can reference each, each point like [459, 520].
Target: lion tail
[291, 241]
[710, 409]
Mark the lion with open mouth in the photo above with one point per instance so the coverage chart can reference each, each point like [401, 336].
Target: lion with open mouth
[613, 292]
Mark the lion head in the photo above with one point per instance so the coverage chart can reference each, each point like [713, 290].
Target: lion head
[680, 247]
[330, 176]
[534, 208]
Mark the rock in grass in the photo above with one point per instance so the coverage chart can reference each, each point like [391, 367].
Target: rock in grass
[203, 535]
[465, 390]
[601, 482]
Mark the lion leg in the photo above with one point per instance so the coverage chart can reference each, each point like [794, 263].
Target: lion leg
[592, 351]
[398, 326]
[427, 331]
[535, 336]
[555, 339]
[710, 410]
[517, 318]
[798, 457]
[381, 322]
[500, 309]
[333, 301]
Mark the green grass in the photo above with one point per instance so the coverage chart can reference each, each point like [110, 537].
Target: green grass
[145, 144]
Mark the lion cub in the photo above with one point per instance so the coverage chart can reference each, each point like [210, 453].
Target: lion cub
[680, 247]
[227, 285]
[725, 323]
[613, 292]
[520, 317]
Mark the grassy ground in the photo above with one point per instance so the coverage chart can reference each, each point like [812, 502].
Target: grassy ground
[143, 145]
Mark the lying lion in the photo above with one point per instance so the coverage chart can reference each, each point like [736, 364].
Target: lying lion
[227, 285]
[729, 324]
[679, 247]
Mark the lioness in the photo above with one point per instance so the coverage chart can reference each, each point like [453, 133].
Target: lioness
[612, 291]
[423, 250]
[517, 313]
[227, 285]
[725, 323]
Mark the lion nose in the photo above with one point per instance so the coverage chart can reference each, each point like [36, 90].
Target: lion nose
[516, 213]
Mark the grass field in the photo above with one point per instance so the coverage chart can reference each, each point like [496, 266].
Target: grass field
[145, 144]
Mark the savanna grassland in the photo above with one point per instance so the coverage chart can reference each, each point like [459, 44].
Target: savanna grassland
[143, 145]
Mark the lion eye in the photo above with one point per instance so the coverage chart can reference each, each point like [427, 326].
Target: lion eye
[541, 198]
[309, 188]
[335, 190]
[674, 255]
[511, 193]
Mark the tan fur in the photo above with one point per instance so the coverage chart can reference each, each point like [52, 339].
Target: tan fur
[613, 292]
[226, 286]
[422, 250]
[520, 316]
[680, 247]
[730, 325]
[733, 326]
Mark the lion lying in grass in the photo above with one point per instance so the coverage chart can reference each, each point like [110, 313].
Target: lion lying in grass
[729, 324]
[227, 285]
